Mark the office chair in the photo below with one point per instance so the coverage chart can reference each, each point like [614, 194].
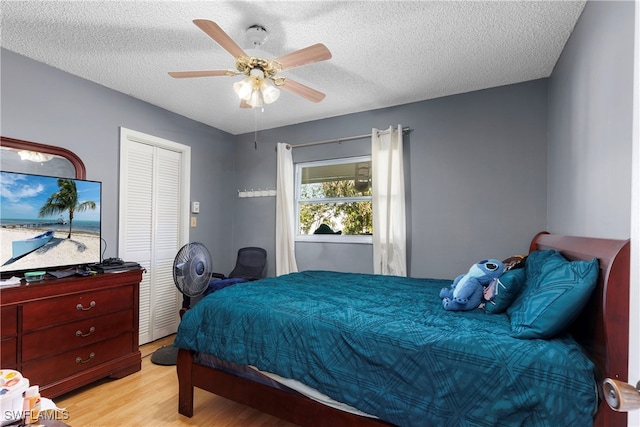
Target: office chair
[250, 265]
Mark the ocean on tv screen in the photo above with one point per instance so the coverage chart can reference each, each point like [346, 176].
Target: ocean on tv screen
[48, 222]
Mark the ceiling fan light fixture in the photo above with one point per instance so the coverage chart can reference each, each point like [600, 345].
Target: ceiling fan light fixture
[256, 90]
[269, 92]
[243, 88]
[256, 99]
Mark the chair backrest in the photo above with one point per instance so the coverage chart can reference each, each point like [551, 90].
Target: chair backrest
[250, 264]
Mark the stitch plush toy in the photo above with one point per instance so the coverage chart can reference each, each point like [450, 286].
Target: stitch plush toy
[466, 291]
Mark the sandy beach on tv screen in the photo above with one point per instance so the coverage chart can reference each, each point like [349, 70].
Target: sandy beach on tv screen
[81, 248]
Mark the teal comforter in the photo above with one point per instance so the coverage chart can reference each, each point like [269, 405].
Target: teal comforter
[386, 346]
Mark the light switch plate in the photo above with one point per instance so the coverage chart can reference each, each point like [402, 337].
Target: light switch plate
[195, 207]
[194, 221]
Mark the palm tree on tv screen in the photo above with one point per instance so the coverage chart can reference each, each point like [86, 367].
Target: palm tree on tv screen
[65, 199]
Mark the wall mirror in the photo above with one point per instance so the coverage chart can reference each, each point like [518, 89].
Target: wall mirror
[35, 158]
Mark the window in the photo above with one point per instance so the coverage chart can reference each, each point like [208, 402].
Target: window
[333, 200]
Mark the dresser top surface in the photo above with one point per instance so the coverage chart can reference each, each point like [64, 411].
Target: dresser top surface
[52, 287]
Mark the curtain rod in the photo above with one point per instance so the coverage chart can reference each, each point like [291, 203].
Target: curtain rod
[348, 138]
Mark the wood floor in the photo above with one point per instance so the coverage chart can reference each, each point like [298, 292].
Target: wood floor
[150, 398]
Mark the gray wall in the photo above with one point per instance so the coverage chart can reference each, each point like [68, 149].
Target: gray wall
[477, 162]
[477, 187]
[590, 125]
[42, 104]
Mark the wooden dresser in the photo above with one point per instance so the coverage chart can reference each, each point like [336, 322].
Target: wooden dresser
[62, 334]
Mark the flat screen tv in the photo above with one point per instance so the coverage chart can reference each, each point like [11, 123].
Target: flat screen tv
[48, 223]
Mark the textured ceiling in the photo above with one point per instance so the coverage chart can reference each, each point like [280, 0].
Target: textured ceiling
[385, 53]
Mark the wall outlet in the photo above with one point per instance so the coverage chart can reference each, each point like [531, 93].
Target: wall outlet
[194, 221]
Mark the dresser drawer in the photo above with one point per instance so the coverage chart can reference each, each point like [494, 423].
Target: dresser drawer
[54, 311]
[9, 342]
[9, 320]
[65, 337]
[51, 369]
[9, 353]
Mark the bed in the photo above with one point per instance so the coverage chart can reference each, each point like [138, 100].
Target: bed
[433, 367]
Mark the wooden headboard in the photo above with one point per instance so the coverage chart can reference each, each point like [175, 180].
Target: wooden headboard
[603, 326]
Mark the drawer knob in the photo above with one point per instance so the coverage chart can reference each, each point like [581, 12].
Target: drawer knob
[80, 334]
[80, 360]
[80, 307]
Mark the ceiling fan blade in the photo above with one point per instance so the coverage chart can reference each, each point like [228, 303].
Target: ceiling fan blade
[216, 33]
[204, 73]
[244, 104]
[315, 53]
[302, 90]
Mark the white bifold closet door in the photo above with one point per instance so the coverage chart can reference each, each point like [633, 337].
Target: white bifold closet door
[154, 224]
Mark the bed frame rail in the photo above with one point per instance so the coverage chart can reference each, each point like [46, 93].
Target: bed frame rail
[279, 403]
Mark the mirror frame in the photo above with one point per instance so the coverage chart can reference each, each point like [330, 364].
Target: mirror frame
[49, 149]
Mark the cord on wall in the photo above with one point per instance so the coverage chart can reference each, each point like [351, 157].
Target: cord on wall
[103, 250]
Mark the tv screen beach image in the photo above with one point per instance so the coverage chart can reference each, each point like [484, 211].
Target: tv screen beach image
[48, 222]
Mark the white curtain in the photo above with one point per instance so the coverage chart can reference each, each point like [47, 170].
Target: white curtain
[285, 221]
[389, 221]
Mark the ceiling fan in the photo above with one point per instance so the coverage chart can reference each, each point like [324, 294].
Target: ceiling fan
[260, 86]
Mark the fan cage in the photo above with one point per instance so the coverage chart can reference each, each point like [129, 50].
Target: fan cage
[192, 269]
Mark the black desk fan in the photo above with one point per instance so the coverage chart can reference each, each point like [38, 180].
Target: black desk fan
[191, 275]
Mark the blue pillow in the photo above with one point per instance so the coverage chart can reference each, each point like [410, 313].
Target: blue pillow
[503, 291]
[555, 293]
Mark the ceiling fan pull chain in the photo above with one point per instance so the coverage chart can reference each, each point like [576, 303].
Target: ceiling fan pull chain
[255, 127]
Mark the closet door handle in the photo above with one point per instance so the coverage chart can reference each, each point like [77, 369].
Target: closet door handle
[80, 334]
[80, 307]
[80, 360]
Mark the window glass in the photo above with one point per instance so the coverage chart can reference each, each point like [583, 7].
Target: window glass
[333, 198]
